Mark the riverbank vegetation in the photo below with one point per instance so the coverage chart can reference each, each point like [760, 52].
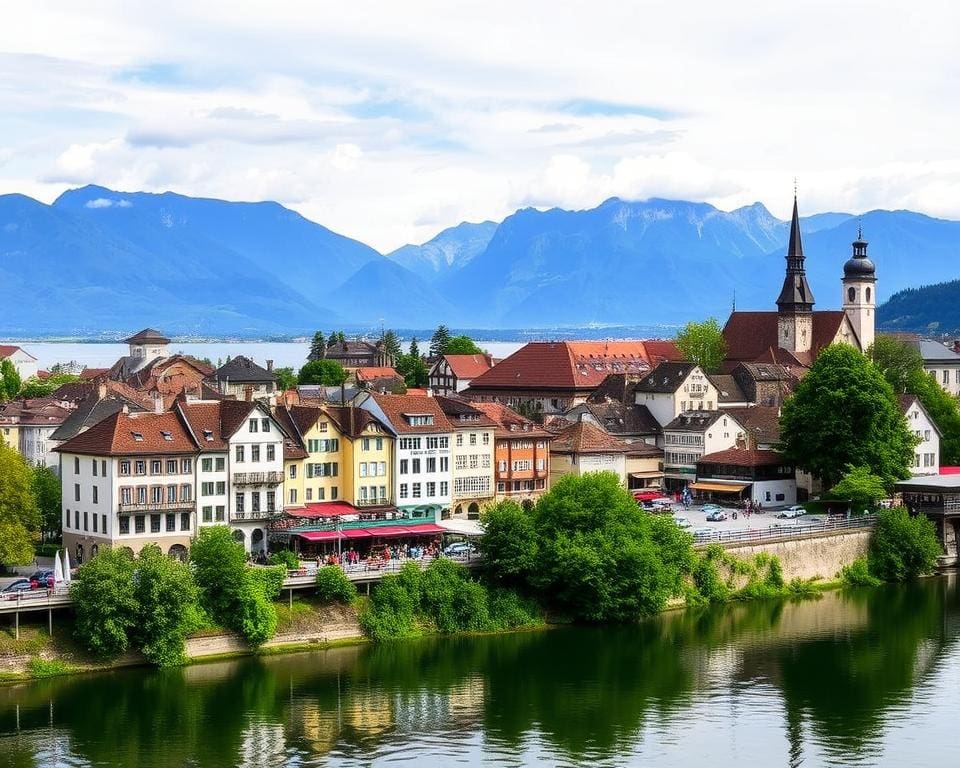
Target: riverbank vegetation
[902, 547]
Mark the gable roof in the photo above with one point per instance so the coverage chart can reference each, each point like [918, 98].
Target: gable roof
[117, 435]
[761, 421]
[693, 421]
[8, 350]
[371, 373]
[907, 402]
[463, 414]
[728, 391]
[932, 351]
[214, 422]
[753, 336]
[744, 457]
[624, 418]
[146, 336]
[242, 369]
[585, 437]
[468, 366]
[93, 409]
[398, 407]
[666, 377]
[570, 364]
[352, 420]
[509, 422]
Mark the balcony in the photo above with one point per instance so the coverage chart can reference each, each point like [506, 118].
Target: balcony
[381, 502]
[264, 515]
[158, 506]
[257, 478]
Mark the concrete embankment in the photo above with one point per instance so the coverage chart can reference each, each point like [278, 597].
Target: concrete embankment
[821, 555]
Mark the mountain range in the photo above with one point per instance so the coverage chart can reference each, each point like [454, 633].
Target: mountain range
[98, 260]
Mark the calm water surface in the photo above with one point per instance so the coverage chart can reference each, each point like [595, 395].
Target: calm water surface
[860, 678]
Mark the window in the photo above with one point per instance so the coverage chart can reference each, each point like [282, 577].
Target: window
[521, 465]
[95, 524]
[139, 524]
[220, 513]
[501, 487]
[433, 442]
[76, 465]
[366, 443]
[416, 490]
[420, 419]
[271, 501]
[501, 466]
[293, 495]
[460, 462]
[322, 426]
[431, 465]
[444, 463]
[473, 460]
[254, 501]
[444, 488]
[154, 523]
[404, 466]
[208, 514]
[186, 466]
[379, 441]
[125, 465]
[415, 466]
[383, 469]
[124, 526]
[186, 491]
[140, 467]
[238, 454]
[171, 493]
[221, 488]
[946, 377]
[486, 438]
[271, 452]
[156, 467]
[239, 504]
[184, 521]
[76, 491]
[206, 465]
[125, 495]
[851, 297]
[206, 489]
[431, 489]
[156, 494]
[76, 519]
[171, 523]
[485, 461]
[94, 462]
[404, 489]
[103, 523]
[459, 440]
[926, 434]
[309, 496]
[541, 465]
[363, 469]
[409, 443]
[333, 493]
[221, 464]
[141, 494]
[264, 425]
[867, 293]
[255, 453]
[473, 438]
[253, 425]
[171, 466]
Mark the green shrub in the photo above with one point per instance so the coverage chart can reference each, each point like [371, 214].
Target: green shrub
[167, 609]
[258, 616]
[105, 603]
[509, 610]
[40, 668]
[390, 613]
[902, 546]
[710, 585]
[333, 586]
[286, 558]
[857, 574]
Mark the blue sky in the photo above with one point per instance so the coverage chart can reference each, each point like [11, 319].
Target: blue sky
[389, 121]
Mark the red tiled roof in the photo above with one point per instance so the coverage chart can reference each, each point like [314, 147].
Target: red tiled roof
[468, 366]
[397, 407]
[570, 364]
[6, 350]
[369, 373]
[221, 419]
[505, 417]
[585, 437]
[115, 436]
[93, 373]
[741, 457]
[753, 337]
[351, 420]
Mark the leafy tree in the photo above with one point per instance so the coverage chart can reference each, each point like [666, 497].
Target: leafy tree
[286, 378]
[462, 345]
[19, 517]
[863, 489]
[703, 344]
[391, 345]
[218, 563]
[166, 611]
[903, 546]
[413, 370]
[34, 387]
[897, 360]
[318, 347]
[439, 341]
[333, 586]
[599, 557]
[336, 337]
[414, 350]
[844, 413]
[509, 543]
[105, 603]
[328, 373]
[286, 558]
[46, 492]
[9, 380]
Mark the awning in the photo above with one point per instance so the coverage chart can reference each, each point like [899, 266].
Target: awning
[395, 531]
[319, 535]
[718, 487]
[646, 475]
[462, 527]
[323, 509]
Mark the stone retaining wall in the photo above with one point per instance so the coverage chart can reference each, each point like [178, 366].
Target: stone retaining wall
[822, 555]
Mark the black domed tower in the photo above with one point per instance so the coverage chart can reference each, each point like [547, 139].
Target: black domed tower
[859, 291]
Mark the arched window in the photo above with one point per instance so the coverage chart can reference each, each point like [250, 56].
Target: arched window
[851, 294]
[868, 295]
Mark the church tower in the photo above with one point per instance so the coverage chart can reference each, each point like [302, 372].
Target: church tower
[859, 292]
[795, 303]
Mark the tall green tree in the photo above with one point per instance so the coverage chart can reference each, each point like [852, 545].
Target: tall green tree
[327, 373]
[897, 360]
[462, 345]
[36, 387]
[286, 378]
[862, 489]
[19, 516]
[105, 603]
[46, 492]
[845, 413]
[166, 612]
[391, 345]
[10, 382]
[413, 370]
[318, 347]
[703, 344]
[439, 341]
[509, 543]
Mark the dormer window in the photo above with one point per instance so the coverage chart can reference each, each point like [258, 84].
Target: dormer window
[419, 419]
[137, 436]
[208, 435]
[166, 435]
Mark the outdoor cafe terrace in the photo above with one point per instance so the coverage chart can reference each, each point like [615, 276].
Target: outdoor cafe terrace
[331, 521]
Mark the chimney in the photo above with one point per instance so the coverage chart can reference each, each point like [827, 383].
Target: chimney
[429, 392]
[248, 394]
[101, 390]
[157, 402]
[125, 408]
[270, 365]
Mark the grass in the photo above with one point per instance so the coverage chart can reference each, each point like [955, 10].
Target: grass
[42, 668]
[33, 639]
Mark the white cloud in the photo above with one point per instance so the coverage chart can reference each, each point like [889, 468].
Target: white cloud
[428, 113]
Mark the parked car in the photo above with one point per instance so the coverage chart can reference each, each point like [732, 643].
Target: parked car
[682, 522]
[785, 524]
[459, 549]
[795, 511]
[716, 515]
[20, 585]
[42, 579]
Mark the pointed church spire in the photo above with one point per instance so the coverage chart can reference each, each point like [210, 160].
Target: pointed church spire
[795, 296]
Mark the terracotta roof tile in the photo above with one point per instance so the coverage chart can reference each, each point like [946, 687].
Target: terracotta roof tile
[510, 423]
[133, 434]
[742, 457]
[584, 437]
[469, 366]
[753, 336]
[369, 373]
[398, 407]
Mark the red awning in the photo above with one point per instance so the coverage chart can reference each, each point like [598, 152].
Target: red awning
[384, 532]
[356, 533]
[318, 535]
[323, 509]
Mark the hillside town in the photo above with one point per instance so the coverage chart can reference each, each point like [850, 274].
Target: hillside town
[160, 445]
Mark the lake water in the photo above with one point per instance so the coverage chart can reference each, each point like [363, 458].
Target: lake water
[283, 354]
[861, 678]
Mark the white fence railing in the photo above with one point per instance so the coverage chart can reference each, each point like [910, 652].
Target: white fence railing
[783, 530]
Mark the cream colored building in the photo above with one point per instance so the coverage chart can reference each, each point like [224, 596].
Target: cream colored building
[673, 388]
[474, 486]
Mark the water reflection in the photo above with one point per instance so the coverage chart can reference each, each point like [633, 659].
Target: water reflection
[825, 681]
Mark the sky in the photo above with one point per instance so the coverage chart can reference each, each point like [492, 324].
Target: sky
[389, 121]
